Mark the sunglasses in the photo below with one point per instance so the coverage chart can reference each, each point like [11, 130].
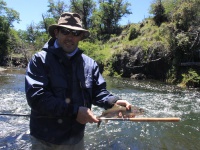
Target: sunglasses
[65, 31]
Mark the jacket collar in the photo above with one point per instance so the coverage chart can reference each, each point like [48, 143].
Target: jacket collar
[59, 52]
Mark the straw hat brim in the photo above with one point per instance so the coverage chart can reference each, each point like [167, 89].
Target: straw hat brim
[86, 33]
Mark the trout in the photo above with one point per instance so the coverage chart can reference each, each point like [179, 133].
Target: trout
[118, 111]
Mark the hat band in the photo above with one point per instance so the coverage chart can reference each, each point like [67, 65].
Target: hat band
[77, 25]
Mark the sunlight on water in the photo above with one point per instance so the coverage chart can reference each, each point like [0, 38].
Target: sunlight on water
[157, 99]
[14, 132]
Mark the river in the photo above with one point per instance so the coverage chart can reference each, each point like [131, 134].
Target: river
[158, 100]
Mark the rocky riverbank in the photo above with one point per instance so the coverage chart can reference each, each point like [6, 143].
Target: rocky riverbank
[14, 62]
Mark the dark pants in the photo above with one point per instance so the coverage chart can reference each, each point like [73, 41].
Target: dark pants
[42, 145]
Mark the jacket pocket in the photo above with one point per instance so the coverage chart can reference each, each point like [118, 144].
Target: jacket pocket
[58, 85]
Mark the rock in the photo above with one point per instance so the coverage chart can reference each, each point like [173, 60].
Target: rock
[135, 61]
[139, 76]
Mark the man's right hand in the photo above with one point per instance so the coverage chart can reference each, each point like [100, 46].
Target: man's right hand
[85, 115]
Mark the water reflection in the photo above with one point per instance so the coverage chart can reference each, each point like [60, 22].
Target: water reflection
[158, 100]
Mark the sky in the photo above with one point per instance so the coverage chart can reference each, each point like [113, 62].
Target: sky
[32, 10]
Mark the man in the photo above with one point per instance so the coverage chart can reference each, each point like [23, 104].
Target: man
[61, 85]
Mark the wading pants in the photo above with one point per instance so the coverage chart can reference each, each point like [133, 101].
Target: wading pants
[42, 145]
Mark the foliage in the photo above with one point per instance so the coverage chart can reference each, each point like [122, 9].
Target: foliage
[169, 6]
[85, 8]
[32, 33]
[46, 22]
[182, 40]
[159, 13]
[40, 41]
[14, 41]
[184, 15]
[110, 12]
[173, 33]
[171, 75]
[7, 17]
[56, 8]
[92, 50]
[190, 79]
[9, 14]
[3, 38]
[134, 33]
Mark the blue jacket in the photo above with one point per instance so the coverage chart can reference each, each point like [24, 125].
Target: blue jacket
[55, 88]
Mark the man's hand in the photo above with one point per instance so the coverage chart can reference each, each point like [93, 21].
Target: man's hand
[85, 115]
[124, 103]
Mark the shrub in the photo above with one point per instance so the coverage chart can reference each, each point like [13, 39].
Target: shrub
[190, 79]
[134, 33]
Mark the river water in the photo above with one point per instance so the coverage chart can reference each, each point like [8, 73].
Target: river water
[158, 100]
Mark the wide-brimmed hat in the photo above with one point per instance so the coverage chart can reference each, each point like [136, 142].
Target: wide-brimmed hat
[71, 21]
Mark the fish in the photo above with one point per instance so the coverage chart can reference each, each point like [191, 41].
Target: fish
[118, 111]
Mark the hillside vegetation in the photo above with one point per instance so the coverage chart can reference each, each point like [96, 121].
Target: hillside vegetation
[164, 47]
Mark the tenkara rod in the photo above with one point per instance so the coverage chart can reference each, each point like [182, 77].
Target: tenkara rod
[143, 119]
[17, 115]
[25, 115]
[113, 119]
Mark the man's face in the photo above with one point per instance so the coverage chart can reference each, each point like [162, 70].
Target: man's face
[68, 39]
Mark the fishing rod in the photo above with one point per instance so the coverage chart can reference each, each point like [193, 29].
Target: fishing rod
[143, 119]
[25, 115]
[113, 119]
[18, 115]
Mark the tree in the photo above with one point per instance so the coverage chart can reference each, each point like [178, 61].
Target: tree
[85, 8]
[12, 16]
[7, 17]
[46, 22]
[9, 14]
[35, 35]
[56, 8]
[158, 11]
[186, 14]
[109, 14]
[3, 38]
[169, 6]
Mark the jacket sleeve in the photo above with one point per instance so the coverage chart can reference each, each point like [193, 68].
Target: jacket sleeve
[39, 95]
[103, 98]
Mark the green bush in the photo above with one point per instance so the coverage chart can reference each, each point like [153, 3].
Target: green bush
[182, 40]
[93, 50]
[134, 33]
[190, 79]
